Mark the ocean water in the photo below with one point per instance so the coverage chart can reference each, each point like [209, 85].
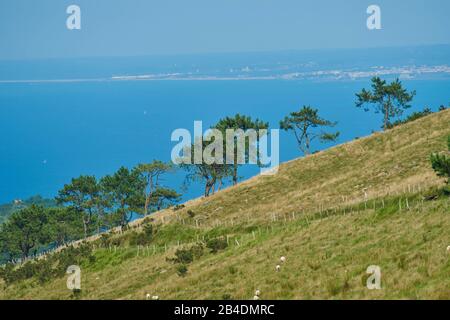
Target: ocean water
[53, 131]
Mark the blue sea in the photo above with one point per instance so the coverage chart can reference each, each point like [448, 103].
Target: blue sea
[53, 131]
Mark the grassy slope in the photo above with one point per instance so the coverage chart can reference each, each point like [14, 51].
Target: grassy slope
[327, 254]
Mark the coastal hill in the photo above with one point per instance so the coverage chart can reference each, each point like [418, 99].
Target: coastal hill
[331, 215]
[9, 208]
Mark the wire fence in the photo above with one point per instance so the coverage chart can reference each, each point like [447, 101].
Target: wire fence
[269, 222]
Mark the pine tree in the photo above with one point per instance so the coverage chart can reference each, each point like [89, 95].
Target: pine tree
[305, 123]
[241, 124]
[441, 163]
[389, 99]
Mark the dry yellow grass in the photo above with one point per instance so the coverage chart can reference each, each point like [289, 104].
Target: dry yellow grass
[381, 164]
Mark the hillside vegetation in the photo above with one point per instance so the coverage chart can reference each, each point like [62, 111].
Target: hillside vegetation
[372, 201]
[8, 209]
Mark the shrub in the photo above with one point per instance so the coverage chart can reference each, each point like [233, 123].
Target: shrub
[45, 272]
[148, 231]
[191, 213]
[76, 294]
[440, 163]
[232, 270]
[142, 238]
[412, 117]
[184, 256]
[54, 265]
[216, 245]
[28, 270]
[117, 241]
[105, 240]
[178, 207]
[182, 270]
[7, 274]
[147, 220]
[197, 250]
[187, 255]
[435, 193]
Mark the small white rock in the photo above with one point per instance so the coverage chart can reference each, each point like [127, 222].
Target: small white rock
[155, 298]
[257, 293]
[147, 296]
[283, 259]
[255, 298]
[278, 268]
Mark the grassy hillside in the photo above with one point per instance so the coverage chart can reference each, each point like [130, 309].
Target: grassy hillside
[331, 215]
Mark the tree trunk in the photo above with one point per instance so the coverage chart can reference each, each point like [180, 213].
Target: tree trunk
[207, 188]
[85, 228]
[25, 252]
[220, 185]
[235, 172]
[386, 113]
[307, 146]
[149, 195]
[147, 201]
[385, 119]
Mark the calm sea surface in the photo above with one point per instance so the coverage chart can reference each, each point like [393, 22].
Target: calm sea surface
[51, 132]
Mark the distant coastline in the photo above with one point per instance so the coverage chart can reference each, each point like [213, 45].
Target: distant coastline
[402, 72]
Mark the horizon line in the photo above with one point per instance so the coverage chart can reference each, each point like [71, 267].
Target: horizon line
[231, 52]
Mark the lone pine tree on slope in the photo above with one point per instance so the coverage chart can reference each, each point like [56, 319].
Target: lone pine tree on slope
[388, 99]
[303, 123]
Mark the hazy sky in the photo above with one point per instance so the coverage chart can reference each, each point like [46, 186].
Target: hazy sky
[37, 28]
